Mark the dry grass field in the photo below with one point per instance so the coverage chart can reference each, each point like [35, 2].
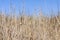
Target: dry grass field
[29, 28]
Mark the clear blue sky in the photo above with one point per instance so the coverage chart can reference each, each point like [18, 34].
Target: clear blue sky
[46, 5]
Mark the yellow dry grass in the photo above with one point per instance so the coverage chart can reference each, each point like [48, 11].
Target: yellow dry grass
[29, 28]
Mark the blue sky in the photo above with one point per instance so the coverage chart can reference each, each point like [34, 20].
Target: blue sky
[30, 5]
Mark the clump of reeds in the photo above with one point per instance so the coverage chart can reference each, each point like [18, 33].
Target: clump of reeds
[29, 28]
